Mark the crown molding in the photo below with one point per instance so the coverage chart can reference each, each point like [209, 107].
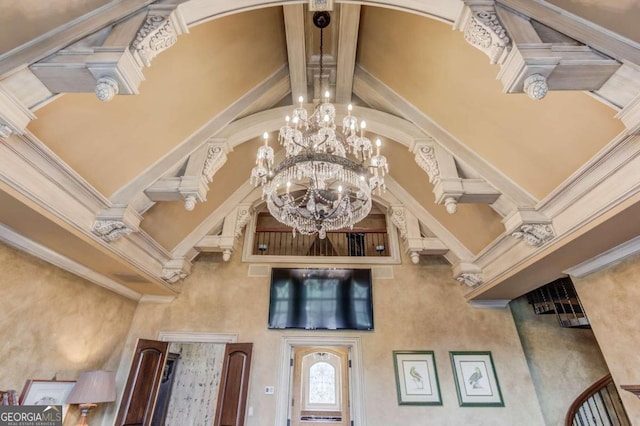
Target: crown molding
[12, 238]
[606, 259]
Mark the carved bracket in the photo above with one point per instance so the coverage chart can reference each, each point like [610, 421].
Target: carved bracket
[409, 228]
[193, 186]
[110, 62]
[448, 187]
[242, 218]
[534, 234]
[398, 218]
[468, 273]
[175, 270]
[532, 227]
[116, 222]
[426, 159]
[483, 30]
[159, 32]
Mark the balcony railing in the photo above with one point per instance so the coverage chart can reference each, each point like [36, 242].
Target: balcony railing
[281, 242]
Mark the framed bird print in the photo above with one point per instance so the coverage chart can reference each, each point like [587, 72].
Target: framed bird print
[416, 378]
[476, 379]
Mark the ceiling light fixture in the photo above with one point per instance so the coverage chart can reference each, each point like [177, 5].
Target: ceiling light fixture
[317, 188]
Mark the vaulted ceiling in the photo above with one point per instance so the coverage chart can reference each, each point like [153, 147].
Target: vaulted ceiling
[513, 191]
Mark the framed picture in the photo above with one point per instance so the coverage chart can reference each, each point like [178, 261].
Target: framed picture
[416, 378]
[476, 380]
[47, 392]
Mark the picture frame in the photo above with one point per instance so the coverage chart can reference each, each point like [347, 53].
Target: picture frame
[416, 378]
[476, 379]
[47, 392]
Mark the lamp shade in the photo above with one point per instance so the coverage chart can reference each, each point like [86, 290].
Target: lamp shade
[93, 387]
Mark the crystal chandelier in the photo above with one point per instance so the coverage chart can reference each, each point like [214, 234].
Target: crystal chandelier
[317, 187]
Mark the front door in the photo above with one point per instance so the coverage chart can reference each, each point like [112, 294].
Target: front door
[320, 389]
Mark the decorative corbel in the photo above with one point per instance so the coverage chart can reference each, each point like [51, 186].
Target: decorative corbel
[112, 63]
[448, 187]
[175, 270]
[242, 218]
[159, 31]
[528, 225]
[409, 228]
[483, 30]
[397, 214]
[5, 131]
[193, 186]
[116, 222]
[468, 273]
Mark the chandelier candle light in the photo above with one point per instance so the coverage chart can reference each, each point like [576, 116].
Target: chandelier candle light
[317, 188]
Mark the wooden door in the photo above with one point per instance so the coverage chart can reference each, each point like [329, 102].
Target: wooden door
[320, 389]
[139, 397]
[234, 385]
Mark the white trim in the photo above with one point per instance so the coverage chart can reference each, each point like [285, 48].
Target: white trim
[489, 303]
[196, 337]
[606, 259]
[356, 373]
[149, 298]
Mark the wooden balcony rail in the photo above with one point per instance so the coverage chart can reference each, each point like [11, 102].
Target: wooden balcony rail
[356, 242]
[598, 405]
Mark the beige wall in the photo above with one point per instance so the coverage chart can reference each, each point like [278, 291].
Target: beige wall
[563, 361]
[422, 308]
[610, 298]
[25, 20]
[54, 323]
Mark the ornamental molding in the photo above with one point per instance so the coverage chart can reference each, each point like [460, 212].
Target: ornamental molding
[5, 131]
[399, 219]
[426, 159]
[471, 280]
[534, 234]
[216, 157]
[159, 32]
[176, 270]
[110, 230]
[106, 89]
[483, 30]
[116, 222]
[173, 275]
[243, 217]
[468, 273]
[535, 86]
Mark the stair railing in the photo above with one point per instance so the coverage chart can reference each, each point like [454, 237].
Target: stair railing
[598, 405]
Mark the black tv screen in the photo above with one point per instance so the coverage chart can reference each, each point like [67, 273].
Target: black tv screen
[332, 299]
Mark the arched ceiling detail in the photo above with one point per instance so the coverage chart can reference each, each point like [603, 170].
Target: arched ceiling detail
[566, 151]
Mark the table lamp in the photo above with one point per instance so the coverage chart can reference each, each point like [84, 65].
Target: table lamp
[92, 388]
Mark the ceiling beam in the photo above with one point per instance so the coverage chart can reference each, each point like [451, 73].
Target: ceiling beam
[294, 29]
[347, 46]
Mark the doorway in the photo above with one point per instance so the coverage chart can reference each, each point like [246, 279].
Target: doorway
[320, 389]
[354, 392]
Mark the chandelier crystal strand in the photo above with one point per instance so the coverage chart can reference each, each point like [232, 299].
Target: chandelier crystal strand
[317, 188]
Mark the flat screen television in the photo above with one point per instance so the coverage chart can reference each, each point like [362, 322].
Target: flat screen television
[330, 299]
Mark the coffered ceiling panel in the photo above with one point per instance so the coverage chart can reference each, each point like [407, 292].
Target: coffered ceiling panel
[184, 88]
[436, 70]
